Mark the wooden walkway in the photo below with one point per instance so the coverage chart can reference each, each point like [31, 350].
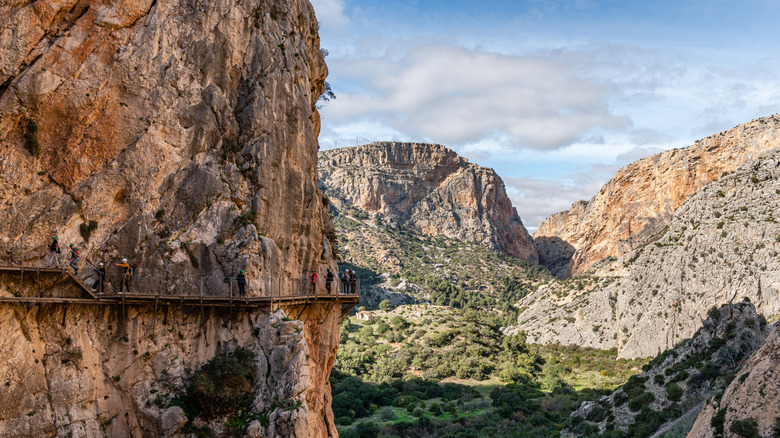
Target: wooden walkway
[347, 301]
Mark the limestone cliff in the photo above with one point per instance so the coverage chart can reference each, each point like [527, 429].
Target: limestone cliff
[428, 188]
[672, 388]
[721, 246]
[183, 136]
[643, 196]
[753, 397]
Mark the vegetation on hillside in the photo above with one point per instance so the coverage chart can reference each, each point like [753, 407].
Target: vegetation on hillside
[433, 269]
[436, 371]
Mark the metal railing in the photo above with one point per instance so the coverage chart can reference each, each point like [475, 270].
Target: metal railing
[215, 284]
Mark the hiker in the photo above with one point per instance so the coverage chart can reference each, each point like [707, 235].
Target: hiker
[328, 280]
[313, 281]
[75, 256]
[241, 281]
[54, 251]
[345, 282]
[126, 276]
[99, 283]
[352, 278]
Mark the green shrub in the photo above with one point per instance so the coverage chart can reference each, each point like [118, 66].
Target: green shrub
[384, 305]
[222, 386]
[674, 392]
[776, 428]
[717, 422]
[747, 428]
[637, 403]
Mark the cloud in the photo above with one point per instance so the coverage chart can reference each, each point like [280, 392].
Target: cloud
[637, 153]
[455, 96]
[330, 14]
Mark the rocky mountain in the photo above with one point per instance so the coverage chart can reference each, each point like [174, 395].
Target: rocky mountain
[426, 188]
[182, 136]
[673, 388]
[720, 246]
[751, 403]
[642, 198]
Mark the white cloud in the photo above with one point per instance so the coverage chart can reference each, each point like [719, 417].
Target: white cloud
[330, 14]
[455, 96]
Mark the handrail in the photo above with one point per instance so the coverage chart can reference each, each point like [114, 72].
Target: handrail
[194, 286]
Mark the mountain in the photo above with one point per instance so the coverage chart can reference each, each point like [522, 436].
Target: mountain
[672, 389]
[642, 198]
[751, 403]
[183, 136]
[426, 188]
[720, 246]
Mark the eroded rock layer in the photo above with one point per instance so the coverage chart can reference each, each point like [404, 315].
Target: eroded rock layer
[720, 247]
[112, 371]
[429, 188]
[182, 136]
[643, 196]
[752, 401]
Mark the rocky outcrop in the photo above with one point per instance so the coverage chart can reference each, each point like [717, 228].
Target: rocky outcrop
[753, 397]
[672, 388]
[643, 196]
[182, 136]
[99, 371]
[428, 188]
[720, 247]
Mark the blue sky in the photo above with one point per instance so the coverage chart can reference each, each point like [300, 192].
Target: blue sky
[556, 95]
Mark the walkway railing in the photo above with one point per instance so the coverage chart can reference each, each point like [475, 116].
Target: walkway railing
[214, 287]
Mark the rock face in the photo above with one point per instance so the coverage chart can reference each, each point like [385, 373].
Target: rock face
[754, 395]
[721, 246]
[182, 136]
[643, 196]
[92, 371]
[183, 133]
[428, 188]
[679, 381]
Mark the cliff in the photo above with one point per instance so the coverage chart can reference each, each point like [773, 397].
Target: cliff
[427, 188]
[672, 388]
[720, 247]
[751, 401]
[182, 136]
[643, 196]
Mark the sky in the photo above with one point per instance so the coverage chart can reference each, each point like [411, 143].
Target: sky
[555, 95]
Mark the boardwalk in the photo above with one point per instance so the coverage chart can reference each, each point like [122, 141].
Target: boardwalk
[346, 301]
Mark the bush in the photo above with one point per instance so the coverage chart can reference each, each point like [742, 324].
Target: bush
[717, 422]
[387, 413]
[636, 404]
[747, 428]
[384, 305]
[674, 392]
[222, 386]
[776, 428]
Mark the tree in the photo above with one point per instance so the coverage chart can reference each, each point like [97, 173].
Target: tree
[384, 305]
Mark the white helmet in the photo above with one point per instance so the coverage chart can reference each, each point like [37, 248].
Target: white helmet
[124, 260]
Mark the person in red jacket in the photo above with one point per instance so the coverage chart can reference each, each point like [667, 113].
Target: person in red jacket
[313, 281]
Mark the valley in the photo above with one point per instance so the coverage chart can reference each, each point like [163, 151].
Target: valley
[459, 327]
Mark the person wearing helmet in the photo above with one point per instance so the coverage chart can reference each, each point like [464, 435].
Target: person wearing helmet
[241, 281]
[127, 275]
[328, 280]
[313, 281]
[54, 251]
[75, 256]
[98, 286]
